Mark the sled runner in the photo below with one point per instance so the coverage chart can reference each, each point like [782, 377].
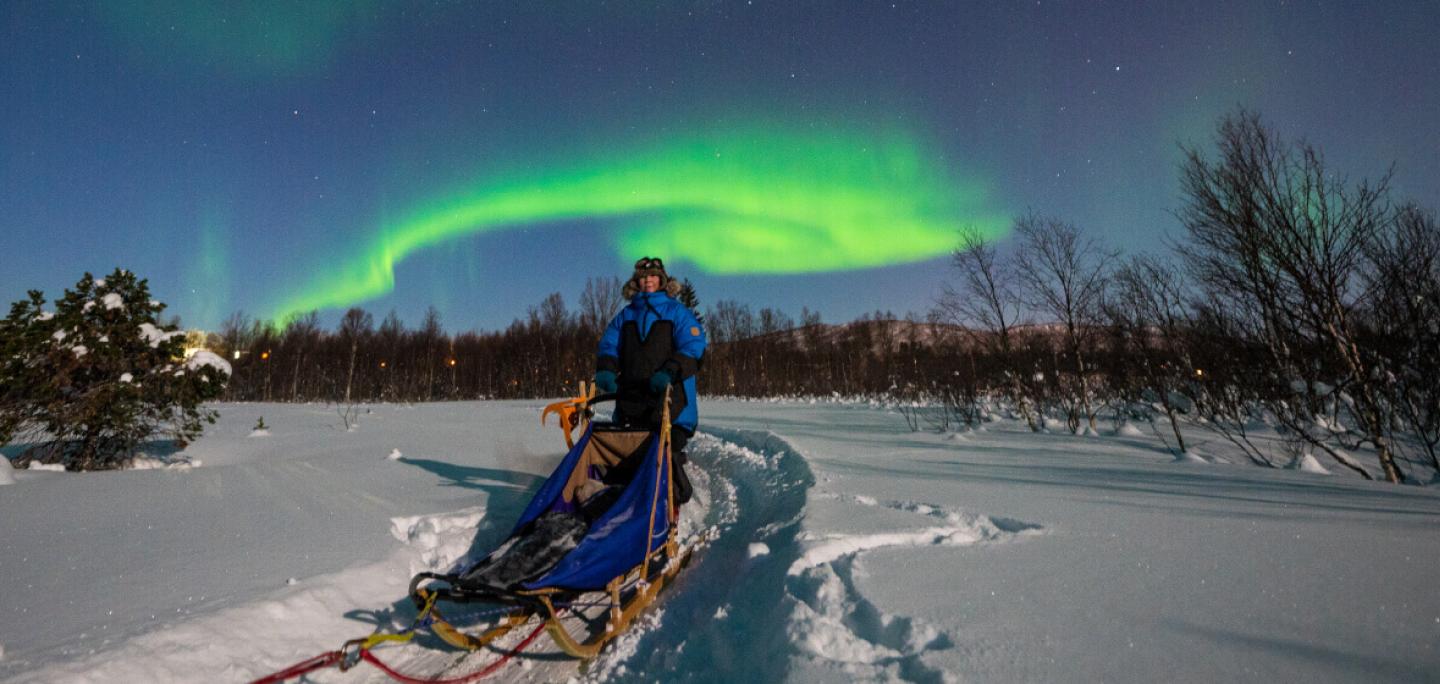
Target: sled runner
[600, 534]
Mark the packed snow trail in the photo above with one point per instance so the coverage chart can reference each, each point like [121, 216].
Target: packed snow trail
[725, 617]
[851, 549]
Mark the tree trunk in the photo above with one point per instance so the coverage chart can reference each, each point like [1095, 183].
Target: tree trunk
[350, 371]
[1174, 424]
[295, 380]
[1367, 408]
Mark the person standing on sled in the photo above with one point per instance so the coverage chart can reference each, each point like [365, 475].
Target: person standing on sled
[654, 342]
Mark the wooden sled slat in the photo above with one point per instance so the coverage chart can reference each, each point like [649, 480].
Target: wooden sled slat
[617, 624]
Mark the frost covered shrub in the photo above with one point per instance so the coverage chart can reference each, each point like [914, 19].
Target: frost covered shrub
[91, 381]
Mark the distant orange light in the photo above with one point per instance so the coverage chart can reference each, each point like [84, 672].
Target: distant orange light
[265, 356]
[1199, 373]
[382, 364]
[452, 362]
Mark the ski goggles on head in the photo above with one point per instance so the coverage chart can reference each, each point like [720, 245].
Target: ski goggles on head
[649, 263]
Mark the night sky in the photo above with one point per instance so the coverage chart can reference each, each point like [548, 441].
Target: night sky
[272, 157]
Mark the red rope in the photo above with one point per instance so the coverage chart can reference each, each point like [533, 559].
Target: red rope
[489, 670]
[335, 657]
[302, 667]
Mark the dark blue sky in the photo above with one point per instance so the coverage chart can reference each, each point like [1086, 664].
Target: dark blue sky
[241, 158]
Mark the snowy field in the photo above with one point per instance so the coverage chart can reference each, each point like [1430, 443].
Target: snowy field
[849, 548]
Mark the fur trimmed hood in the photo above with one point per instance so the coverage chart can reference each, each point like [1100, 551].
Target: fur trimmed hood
[648, 266]
[632, 286]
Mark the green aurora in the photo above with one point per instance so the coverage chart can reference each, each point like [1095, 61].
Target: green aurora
[757, 201]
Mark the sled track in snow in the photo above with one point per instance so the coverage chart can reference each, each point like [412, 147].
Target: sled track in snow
[765, 597]
[725, 618]
[767, 600]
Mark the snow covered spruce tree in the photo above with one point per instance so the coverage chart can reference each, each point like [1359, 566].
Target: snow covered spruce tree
[88, 383]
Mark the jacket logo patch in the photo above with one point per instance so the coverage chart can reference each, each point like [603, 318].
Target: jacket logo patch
[694, 331]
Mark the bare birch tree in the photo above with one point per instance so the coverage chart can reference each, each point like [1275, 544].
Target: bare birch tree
[302, 333]
[986, 302]
[1404, 324]
[599, 303]
[1147, 308]
[1269, 226]
[1064, 276]
[355, 327]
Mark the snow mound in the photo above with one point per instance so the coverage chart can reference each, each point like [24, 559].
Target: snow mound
[259, 432]
[1306, 463]
[441, 541]
[7, 473]
[1129, 430]
[1191, 456]
[395, 455]
[834, 547]
[143, 462]
[731, 449]
[835, 624]
[758, 549]
[48, 467]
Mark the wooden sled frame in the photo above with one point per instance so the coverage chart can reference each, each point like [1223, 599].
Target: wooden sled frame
[622, 611]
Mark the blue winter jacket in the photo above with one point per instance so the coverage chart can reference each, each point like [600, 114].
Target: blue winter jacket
[653, 332]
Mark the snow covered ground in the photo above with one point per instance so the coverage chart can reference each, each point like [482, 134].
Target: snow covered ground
[849, 548]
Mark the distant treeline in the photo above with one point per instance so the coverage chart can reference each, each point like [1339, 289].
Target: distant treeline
[1293, 300]
[546, 353]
